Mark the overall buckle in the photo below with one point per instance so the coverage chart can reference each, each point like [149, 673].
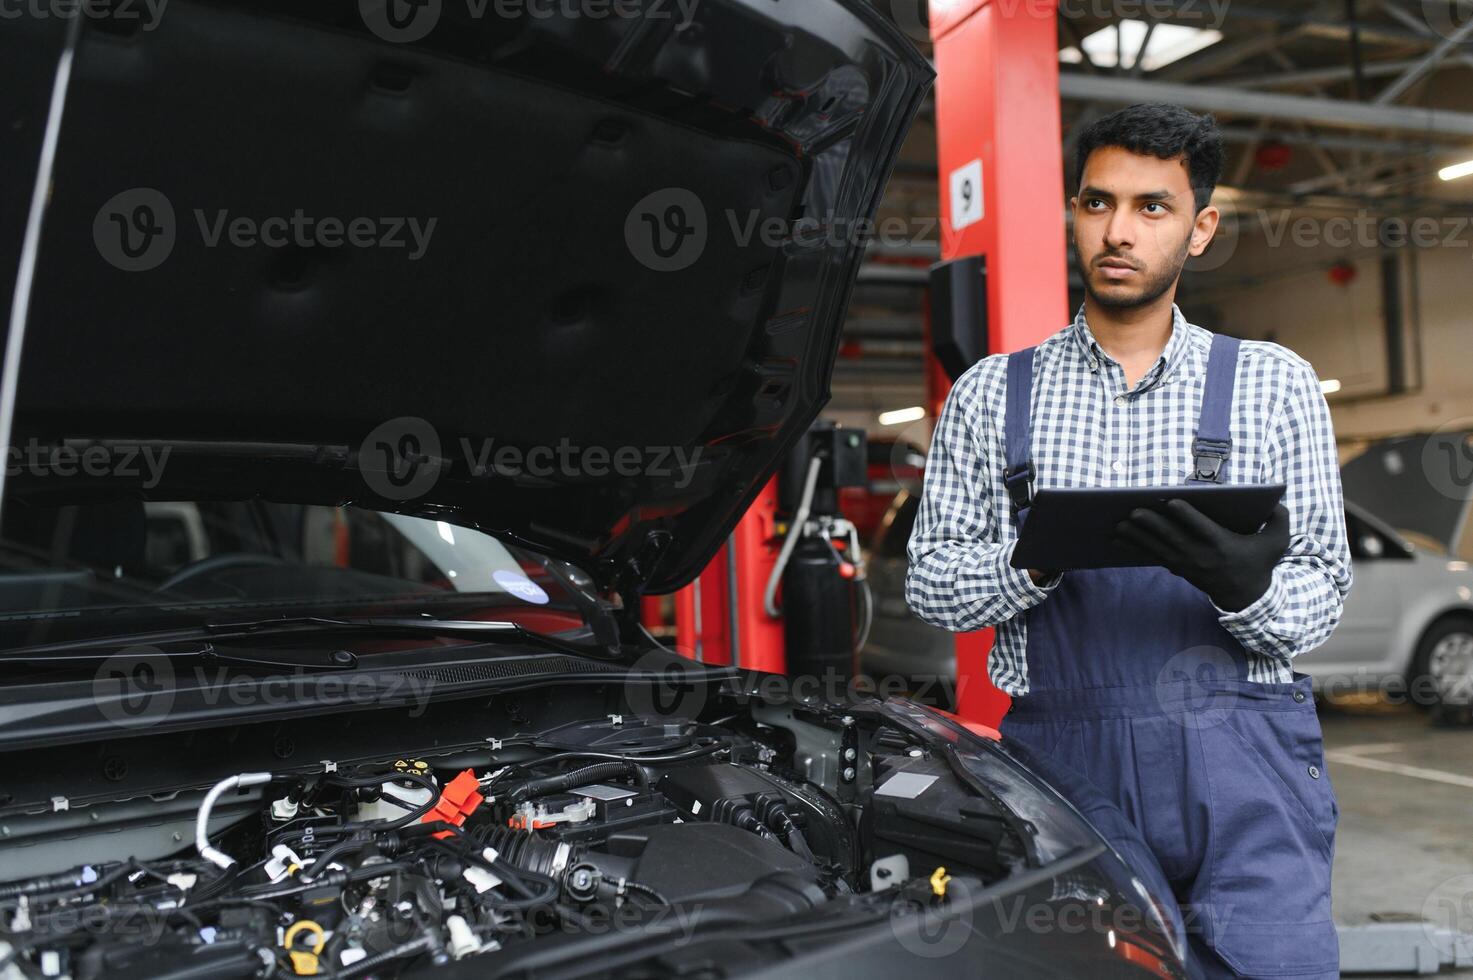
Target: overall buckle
[1208, 457]
[1019, 481]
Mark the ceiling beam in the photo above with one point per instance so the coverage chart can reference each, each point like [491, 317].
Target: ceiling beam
[1425, 64]
[1315, 77]
[1419, 27]
[1230, 101]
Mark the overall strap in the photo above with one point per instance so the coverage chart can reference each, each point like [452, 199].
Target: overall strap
[1018, 429]
[1214, 442]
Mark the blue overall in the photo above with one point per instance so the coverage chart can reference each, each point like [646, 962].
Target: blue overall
[1136, 687]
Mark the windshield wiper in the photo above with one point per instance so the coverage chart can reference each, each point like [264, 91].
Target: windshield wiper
[492, 631]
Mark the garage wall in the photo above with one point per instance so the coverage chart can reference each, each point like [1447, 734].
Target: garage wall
[1283, 292]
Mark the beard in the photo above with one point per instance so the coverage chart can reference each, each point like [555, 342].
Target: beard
[1154, 286]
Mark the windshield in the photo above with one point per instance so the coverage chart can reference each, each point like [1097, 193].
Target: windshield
[88, 570]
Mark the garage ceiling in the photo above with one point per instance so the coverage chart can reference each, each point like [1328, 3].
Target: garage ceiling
[1327, 106]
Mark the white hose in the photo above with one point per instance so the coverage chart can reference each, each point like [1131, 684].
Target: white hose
[795, 531]
[202, 822]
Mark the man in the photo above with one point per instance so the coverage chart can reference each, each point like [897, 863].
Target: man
[1170, 687]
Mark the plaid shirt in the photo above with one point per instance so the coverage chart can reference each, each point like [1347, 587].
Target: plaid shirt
[1089, 430]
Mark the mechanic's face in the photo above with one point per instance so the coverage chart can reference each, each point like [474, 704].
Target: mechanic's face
[1135, 224]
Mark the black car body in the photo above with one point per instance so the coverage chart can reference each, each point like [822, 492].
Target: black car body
[302, 674]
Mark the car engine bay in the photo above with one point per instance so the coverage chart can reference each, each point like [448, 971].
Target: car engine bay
[593, 835]
[588, 836]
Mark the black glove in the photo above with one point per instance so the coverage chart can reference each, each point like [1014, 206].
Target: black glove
[1233, 569]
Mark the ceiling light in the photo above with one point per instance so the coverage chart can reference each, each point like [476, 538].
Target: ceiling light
[1330, 385]
[902, 416]
[1456, 170]
[1169, 42]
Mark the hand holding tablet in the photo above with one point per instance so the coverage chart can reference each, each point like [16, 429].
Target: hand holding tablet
[1073, 528]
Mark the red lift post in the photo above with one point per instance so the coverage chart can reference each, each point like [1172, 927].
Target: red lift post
[1001, 170]
[721, 612]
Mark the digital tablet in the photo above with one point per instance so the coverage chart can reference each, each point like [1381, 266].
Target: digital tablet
[1074, 527]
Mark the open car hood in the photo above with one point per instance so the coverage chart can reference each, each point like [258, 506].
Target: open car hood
[607, 330]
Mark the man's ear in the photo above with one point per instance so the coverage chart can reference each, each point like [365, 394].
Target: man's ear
[1074, 203]
[1204, 229]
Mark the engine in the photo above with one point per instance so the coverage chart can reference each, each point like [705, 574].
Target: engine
[561, 841]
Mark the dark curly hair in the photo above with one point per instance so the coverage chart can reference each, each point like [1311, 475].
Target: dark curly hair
[1161, 130]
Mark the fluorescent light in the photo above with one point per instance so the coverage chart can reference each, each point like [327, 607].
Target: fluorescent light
[1169, 42]
[902, 416]
[1456, 170]
[1330, 385]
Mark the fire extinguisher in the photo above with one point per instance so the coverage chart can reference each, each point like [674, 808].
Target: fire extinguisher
[826, 604]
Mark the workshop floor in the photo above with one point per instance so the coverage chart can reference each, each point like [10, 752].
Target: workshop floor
[1406, 813]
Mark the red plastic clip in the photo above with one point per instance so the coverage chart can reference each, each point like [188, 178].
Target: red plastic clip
[457, 801]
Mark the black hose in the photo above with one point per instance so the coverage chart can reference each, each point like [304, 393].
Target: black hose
[66, 885]
[370, 963]
[549, 785]
[357, 843]
[519, 856]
